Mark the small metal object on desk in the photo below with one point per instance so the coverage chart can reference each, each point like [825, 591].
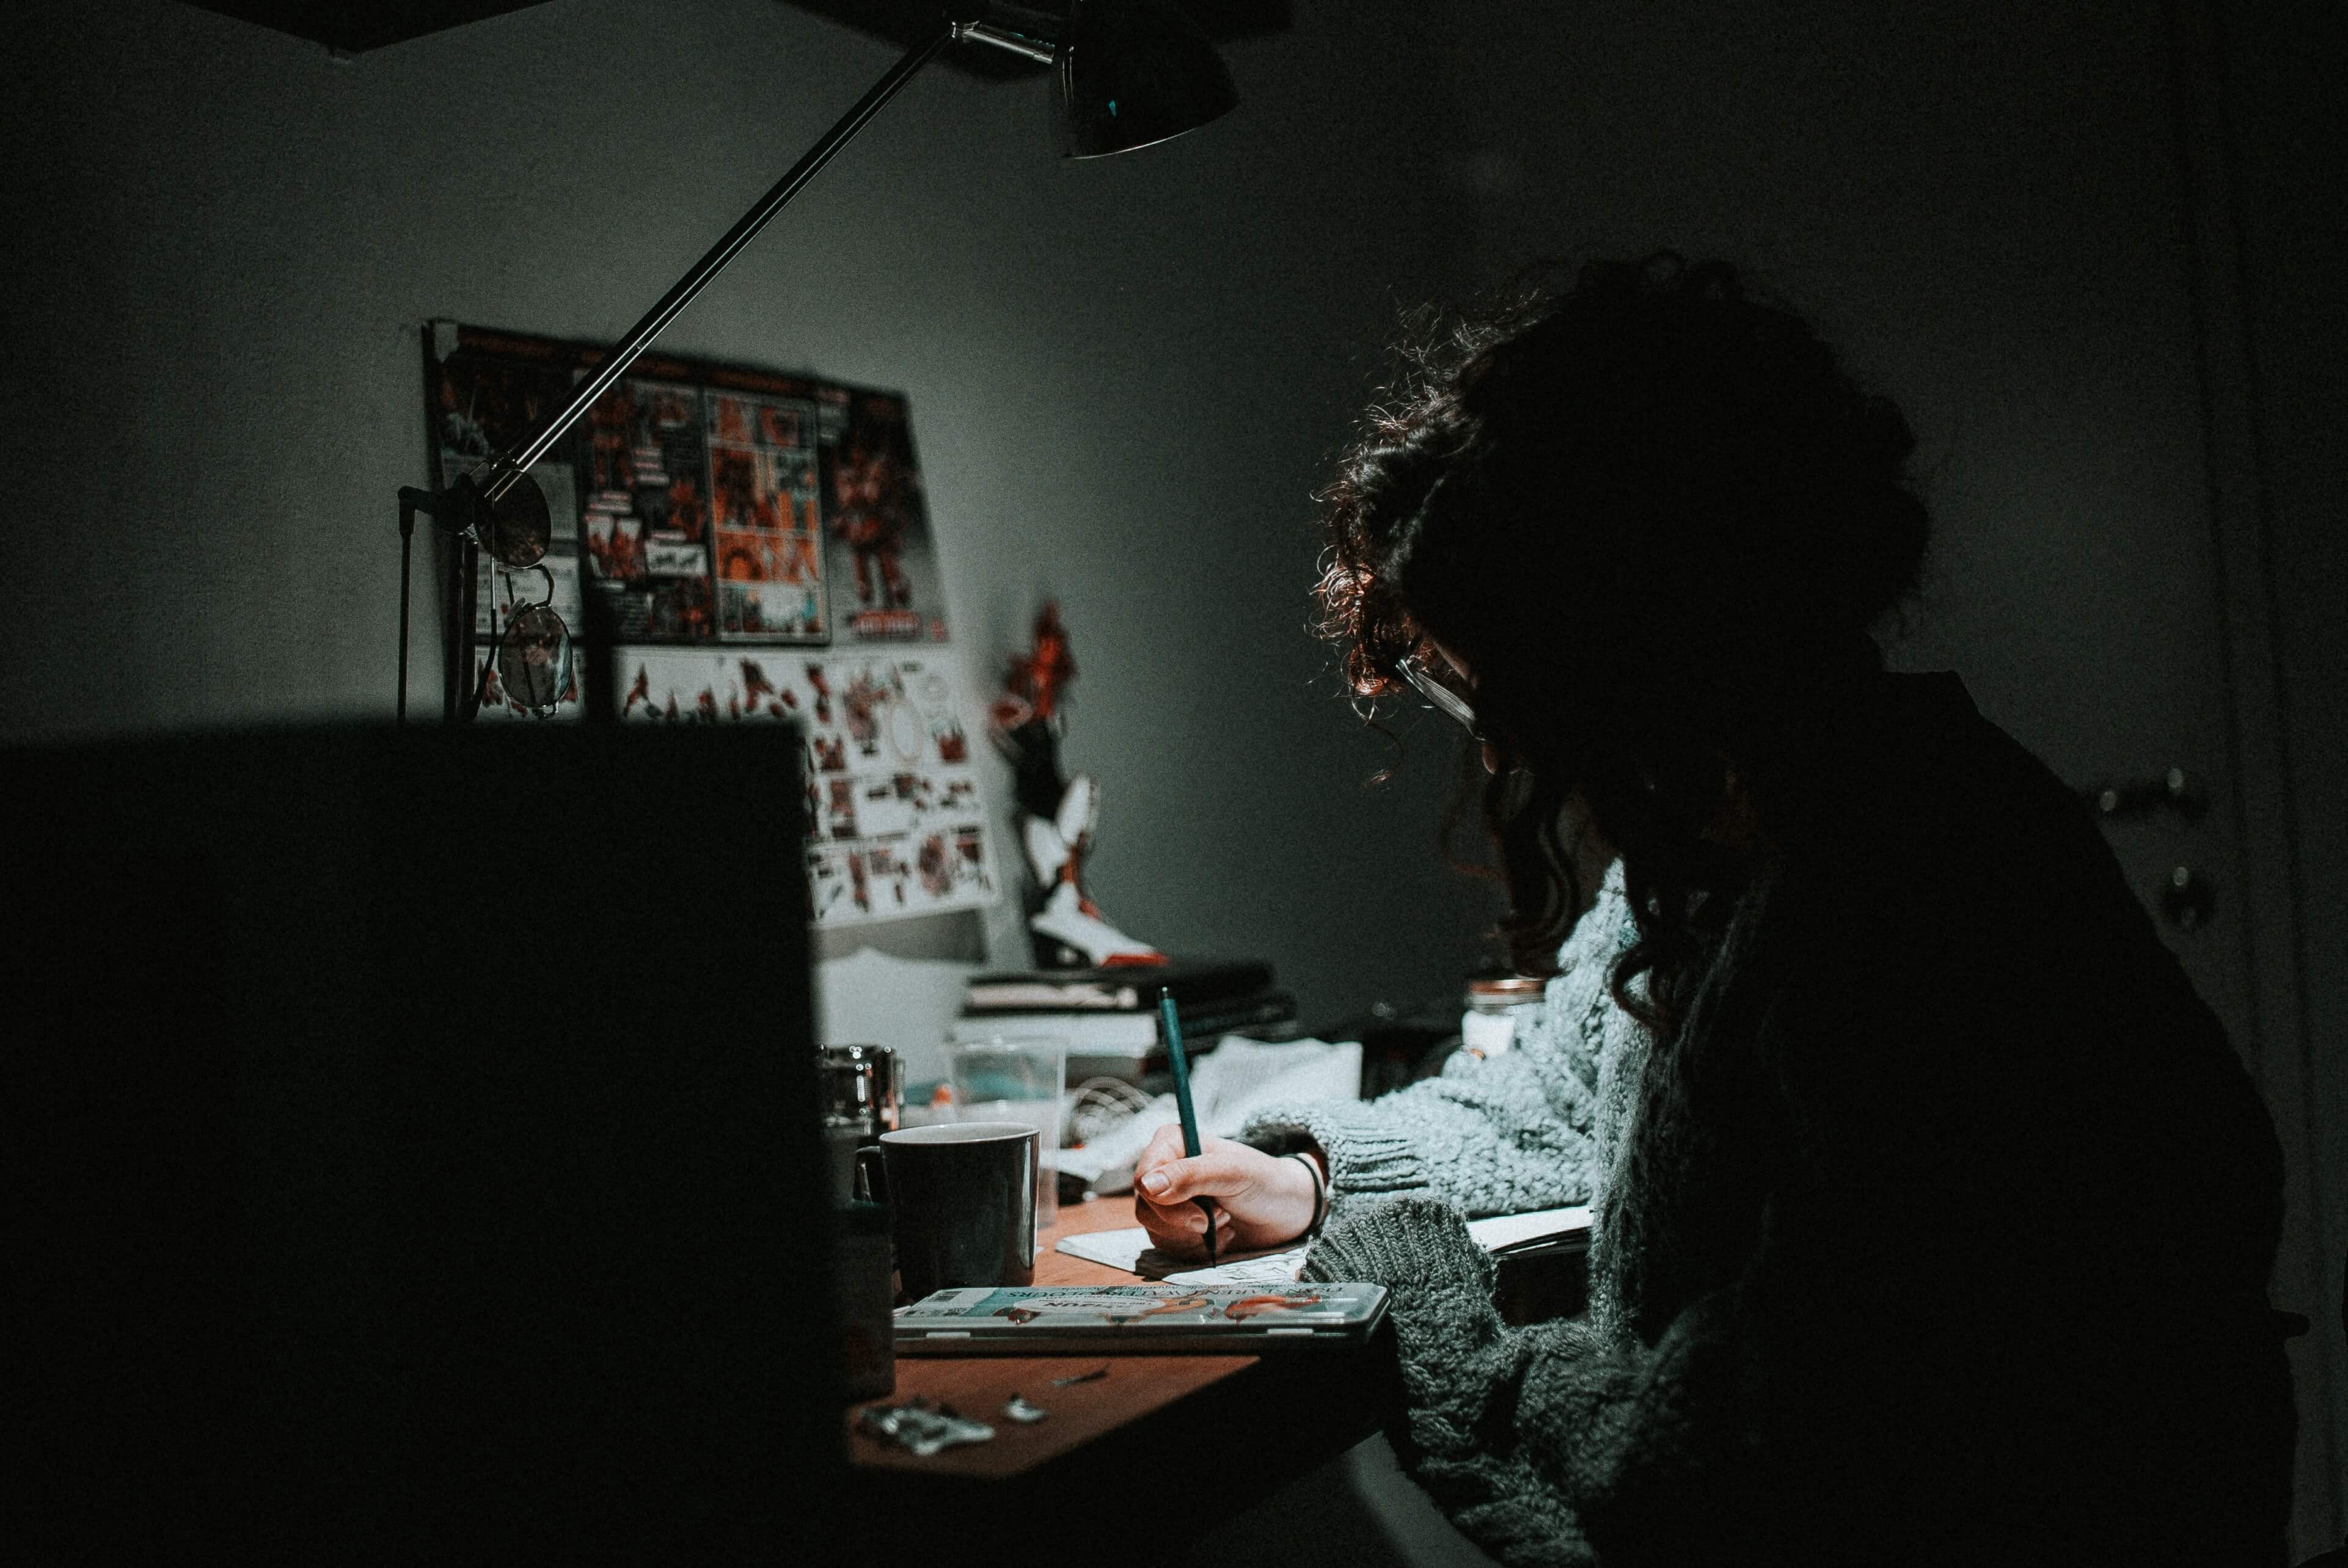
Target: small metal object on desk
[866, 1082]
[923, 1425]
[1020, 1410]
[1094, 1375]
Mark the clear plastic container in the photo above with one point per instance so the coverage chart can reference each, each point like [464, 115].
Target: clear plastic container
[1022, 1079]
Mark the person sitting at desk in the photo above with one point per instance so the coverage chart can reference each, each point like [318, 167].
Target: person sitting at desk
[1510, 1134]
[1939, 1226]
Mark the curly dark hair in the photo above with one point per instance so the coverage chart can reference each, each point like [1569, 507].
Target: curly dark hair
[1658, 522]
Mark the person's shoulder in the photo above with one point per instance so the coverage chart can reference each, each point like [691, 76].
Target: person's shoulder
[1933, 717]
[1935, 810]
[1941, 770]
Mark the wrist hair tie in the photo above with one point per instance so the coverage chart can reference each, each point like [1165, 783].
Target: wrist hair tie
[1320, 1195]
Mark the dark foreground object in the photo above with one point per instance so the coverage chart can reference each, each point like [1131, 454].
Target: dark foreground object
[403, 1132]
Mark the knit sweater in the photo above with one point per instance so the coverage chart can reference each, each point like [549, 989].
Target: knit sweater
[1508, 1135]
[1938, 1232]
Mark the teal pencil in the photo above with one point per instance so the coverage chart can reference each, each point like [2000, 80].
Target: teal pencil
[1182, 1061]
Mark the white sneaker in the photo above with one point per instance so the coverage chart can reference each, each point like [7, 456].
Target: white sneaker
[1068, 917]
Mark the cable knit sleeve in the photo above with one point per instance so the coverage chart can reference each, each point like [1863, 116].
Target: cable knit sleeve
[1517, 1133]
[1519, 1434]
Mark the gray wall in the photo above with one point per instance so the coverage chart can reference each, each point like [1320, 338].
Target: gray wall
[1125, 376]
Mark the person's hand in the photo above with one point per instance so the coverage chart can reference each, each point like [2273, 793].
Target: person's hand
[1261, 1200]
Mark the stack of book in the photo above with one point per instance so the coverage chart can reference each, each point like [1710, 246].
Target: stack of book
[1111, 1017]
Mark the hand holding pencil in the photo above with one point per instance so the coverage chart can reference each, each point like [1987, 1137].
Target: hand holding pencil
[1260, 1201]
[1175, 1198]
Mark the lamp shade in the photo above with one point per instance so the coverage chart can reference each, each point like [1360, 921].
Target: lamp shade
[1134, 72]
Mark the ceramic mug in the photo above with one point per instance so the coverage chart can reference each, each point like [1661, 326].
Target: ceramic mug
[961, 1202]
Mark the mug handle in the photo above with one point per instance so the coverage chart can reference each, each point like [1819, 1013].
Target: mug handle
[872, 1177]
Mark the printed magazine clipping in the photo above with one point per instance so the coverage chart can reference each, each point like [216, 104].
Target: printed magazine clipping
[761, 546]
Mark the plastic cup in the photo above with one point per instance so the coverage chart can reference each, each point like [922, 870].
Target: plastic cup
[1022, 1079]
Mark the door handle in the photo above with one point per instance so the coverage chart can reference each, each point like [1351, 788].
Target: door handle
[2187, 898]
[2175, 791]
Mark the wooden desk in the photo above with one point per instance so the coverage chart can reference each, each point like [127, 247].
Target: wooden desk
[1300, 1409]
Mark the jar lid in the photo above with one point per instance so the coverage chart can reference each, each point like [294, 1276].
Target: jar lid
[1504, 990]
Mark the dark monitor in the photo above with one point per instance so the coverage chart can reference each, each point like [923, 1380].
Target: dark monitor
[410, 1146]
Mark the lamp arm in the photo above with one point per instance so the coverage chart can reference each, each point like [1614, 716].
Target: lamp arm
[508, 466]
[1038, 45]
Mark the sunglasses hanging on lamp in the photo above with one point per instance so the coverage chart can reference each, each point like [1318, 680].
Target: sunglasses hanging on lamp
[1129, 74]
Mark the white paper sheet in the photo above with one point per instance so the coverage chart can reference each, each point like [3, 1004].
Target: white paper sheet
[1500, 1232]
[1267, 1269]
[1130, 1250]
[1118, 1249]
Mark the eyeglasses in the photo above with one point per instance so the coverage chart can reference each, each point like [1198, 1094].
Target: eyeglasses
[1443, 688]
[529, 663]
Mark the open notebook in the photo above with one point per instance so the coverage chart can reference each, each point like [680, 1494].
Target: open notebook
[1513, 1236]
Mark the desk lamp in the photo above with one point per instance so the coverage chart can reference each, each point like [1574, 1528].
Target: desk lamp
[1129, 73]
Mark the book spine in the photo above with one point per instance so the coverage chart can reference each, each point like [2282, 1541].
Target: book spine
[1040, 994]
[1133, 1034]
[1211, 1021]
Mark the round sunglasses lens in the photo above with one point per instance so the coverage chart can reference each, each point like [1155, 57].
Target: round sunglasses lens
[519, 525]
[534, 658]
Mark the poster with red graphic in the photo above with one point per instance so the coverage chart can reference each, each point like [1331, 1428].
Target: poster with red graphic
[766, 518]
[757, 548]
[883, 567]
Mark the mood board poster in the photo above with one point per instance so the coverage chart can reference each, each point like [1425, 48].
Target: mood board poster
[761, 545]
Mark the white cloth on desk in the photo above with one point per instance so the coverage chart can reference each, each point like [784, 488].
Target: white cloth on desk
[1227, 1084]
